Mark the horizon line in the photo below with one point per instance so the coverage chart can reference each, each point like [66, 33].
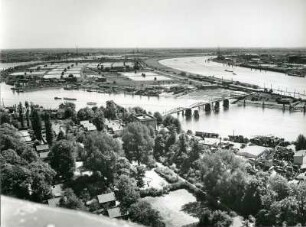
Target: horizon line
[225, 47]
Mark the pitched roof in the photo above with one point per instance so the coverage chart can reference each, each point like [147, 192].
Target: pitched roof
[300, 153]
[23, 133]
[42, 147]
[114, 212]
[104, 198]
[44, 154]
[252, 151]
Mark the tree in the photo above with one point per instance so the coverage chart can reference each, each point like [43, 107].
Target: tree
[20, 112]
[30, 155]
[224, 176]
[36, 124]
[172, 121]
[9, 139]
[15, 181]
[140, 175]
[159, 146]
[71, 201]
[4, 117]
[127, 192]
[216, 218]
[159, 117]
[300, 142]
[143, 213]
[60, 136]
[98, 120]
[110, 110]
[102, 153]
[85, 114]
[137, 141]
[62, 158]
[42, 178]
[123, 167]
[49, 131]
[69, 109]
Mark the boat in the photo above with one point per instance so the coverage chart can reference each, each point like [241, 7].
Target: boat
[91, 103]
[70, 99]
[226, 70]
[56, 98]
[88, 90]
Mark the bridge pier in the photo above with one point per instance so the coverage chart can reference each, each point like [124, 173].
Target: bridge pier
[217, 106]
[196, 113]
[188, 112]
[225, 103]
[207, 107]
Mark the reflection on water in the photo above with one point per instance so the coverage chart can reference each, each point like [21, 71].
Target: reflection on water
[235, 120]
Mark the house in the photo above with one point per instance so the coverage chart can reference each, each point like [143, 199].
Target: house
[253, 151]
[299, 157]
[42, 148]
[88, 126]
[114, 126]
[57, 192]
[54, 202]
[108, 198]
[44, 155]
[146, 119]
[115, 213]
[25, 136]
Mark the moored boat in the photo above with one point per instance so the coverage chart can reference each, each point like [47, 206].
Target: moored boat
[70, 99]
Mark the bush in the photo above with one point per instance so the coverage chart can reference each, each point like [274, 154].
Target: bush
[168, 174]
[152, 192]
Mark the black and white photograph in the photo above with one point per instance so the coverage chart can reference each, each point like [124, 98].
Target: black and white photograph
[158, 113]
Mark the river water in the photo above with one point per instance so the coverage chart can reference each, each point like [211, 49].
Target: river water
[200, 65]
[248, 121]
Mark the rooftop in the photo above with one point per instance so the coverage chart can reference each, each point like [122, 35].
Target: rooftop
[300, 153]
[104, 198]
[42, 147]
[44, 155]
[252, 151]
[143, 117]
[114, 212]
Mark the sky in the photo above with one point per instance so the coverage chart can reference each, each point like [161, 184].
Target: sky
[152, 23]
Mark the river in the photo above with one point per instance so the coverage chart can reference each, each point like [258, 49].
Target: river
[268, 79]
[248, 121]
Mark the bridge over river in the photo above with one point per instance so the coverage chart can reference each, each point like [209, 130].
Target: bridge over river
[209, 105]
